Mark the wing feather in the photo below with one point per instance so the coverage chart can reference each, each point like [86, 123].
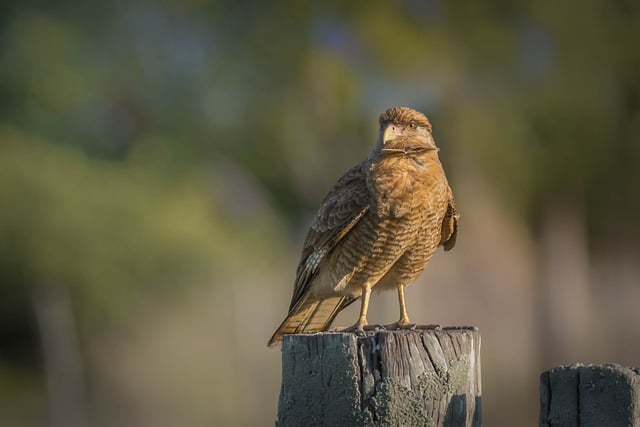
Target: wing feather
[449, 230]
[342, 208]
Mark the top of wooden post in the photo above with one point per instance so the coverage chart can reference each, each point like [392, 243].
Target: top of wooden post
[590, 395]
[422, 376]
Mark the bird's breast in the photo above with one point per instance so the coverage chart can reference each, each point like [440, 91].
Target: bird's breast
[402, 187]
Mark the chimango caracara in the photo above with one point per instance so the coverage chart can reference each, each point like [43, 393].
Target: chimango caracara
[377, 228]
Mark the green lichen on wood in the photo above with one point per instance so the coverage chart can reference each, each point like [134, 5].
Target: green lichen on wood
[458, 374]
[448, 382]
[397, 405]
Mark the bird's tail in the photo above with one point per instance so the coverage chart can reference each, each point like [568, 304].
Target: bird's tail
[310, 315]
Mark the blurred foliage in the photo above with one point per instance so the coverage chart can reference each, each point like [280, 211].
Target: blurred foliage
[146, 145]
[98, 227]
[548, 88]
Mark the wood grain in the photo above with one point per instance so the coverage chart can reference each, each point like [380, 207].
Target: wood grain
[386, 378]
[590, 396]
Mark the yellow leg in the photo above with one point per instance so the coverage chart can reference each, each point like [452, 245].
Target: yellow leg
[404, 322]
[364, 307]
[404, 317]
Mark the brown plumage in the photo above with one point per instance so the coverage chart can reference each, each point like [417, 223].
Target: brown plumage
[377, 227]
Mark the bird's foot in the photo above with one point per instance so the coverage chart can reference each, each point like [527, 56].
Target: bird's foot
[400, 324]
[353, 328]
[359, 327]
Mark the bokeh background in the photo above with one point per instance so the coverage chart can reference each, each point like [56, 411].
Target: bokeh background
[160, 163]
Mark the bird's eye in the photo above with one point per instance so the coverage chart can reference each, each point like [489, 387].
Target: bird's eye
[413, 125]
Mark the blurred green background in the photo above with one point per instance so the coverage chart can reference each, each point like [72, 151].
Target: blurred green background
[160, 163]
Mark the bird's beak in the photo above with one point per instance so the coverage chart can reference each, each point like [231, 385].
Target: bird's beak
[390, 133]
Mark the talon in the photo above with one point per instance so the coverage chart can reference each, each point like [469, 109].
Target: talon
[361, 329]
[401, 325]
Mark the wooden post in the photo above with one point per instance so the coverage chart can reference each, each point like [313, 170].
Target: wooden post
[591, 395]
[421, 377]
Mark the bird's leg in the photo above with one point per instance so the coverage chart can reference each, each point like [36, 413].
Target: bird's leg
[404, 317]
[404, 322]
[362, 320]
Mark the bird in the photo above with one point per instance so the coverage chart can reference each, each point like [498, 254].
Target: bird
[376, 228]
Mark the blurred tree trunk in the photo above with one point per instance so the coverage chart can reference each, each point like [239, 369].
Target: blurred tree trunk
[564, 297]
[62, 358]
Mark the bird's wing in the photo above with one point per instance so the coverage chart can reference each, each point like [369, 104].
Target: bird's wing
[449, 230]
[342, 208]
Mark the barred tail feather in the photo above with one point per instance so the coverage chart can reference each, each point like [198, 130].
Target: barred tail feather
[310, 315]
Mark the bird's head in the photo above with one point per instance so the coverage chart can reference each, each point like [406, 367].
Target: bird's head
[404, 131]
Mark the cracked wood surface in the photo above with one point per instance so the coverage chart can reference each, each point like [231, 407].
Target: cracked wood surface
[590, 396]
[385, 378]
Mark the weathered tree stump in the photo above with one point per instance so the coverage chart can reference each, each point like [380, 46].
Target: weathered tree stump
[591, 395]
[388, 378]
